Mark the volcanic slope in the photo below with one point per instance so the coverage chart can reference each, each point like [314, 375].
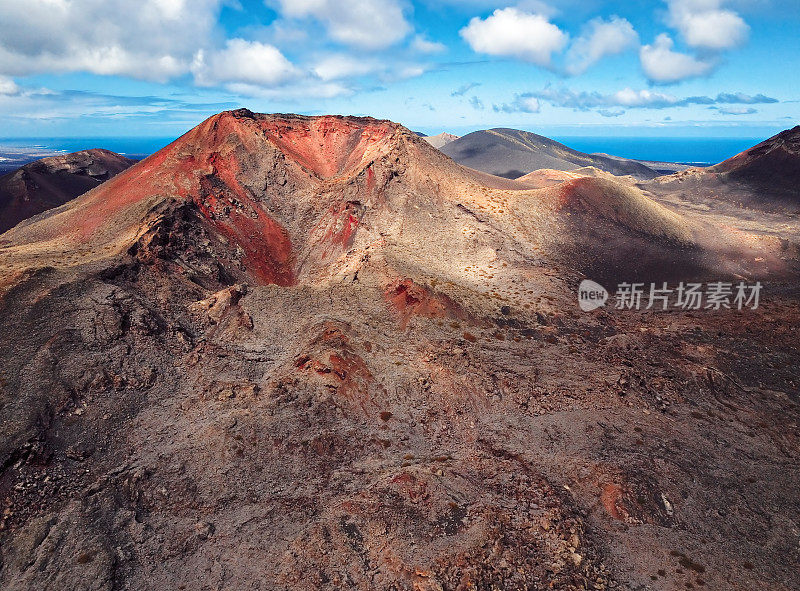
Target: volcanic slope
[315, 353]
[773, 164]
[512, 153]
[765, 177]
[50, 182]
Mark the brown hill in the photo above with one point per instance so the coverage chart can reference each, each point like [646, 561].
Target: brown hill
[512, 153]
[765, 177]
[294, 352]
[50, 182]
[774, 163]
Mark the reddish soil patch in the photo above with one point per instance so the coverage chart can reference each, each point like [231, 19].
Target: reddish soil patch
[332, 359]
[411, 299]
[326, 146]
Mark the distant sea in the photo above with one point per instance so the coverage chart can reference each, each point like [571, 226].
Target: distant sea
[133, 147]
[697, 151]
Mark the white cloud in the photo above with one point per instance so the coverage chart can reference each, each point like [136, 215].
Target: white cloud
[150, 39]
[663, 65]
[8, 87]
[523, 103]
[242, 62]
[705, 24]
[338, 66]
[303, 89]
[472, 6]
[368, 24]
[599, 39]
[424, 45]
[512, 32]
[408, 71]
[627, 97]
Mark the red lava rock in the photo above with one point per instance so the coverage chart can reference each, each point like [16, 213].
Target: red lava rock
[410, 299]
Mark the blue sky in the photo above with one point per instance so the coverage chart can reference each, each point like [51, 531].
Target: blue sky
[712, 68]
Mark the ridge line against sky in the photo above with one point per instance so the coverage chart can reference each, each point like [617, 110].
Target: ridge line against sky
[671, 67]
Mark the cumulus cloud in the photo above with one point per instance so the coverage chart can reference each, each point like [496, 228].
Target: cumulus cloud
[661, 64]
[242, 62]
[599, 39]
[514, 33]
[706, 24]
[523, 103]
[149, 39]
[368, 24]
[613, 104]
[8, 87]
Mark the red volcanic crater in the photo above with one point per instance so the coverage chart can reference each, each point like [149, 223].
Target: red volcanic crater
[248, 176]
[330, 147]
[289, 199]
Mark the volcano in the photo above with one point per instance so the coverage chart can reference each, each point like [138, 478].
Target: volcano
[773, 165]
[764, 177]
[290, 352]
[50, 182]
[512, 153]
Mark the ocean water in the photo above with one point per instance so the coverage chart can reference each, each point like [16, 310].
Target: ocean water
[133, 147]
[697, 151]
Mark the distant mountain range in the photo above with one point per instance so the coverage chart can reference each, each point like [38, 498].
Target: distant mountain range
[50, 182]
[512, 153]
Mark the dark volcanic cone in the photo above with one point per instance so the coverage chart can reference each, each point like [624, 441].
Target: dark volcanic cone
[772, 166]
[50, 182]
[512, 153]
[765, 177]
